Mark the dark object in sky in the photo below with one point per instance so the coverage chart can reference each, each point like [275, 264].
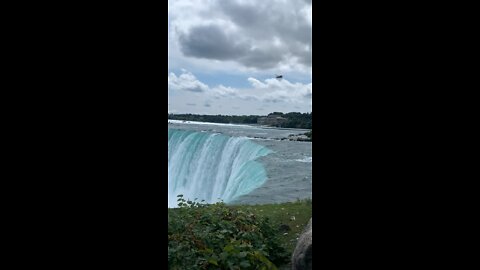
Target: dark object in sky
[279, 76]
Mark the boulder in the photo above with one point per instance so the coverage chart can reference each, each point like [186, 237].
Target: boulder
[302, 255]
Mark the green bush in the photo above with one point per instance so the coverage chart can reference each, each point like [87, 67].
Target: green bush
[215, 236]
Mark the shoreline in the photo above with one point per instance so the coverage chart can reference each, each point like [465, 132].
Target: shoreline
[181, 122]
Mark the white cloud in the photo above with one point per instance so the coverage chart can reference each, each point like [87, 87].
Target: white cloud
[185, 82]
[281, 94]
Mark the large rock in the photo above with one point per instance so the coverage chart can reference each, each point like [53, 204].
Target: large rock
[302, 255]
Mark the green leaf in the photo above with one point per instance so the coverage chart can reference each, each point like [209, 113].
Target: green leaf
[228, 248]
[245, 264]
[242, 254]
[213, 261]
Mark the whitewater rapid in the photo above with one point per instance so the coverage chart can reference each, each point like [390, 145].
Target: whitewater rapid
[211, 166]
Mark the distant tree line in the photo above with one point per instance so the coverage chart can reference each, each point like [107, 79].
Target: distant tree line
[294, 119]
[225, 119]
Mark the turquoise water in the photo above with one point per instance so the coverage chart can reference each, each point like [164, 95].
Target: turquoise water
[211, 166]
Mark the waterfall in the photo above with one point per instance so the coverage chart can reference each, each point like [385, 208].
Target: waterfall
[210, 166]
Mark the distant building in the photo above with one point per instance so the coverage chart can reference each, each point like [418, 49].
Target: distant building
[271, 120]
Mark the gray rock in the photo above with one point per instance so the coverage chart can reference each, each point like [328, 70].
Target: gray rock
[302, 255]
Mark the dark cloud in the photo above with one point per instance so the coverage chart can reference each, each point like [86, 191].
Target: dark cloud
[306, 58]
[264, 34]
[245, 16]
[262, 58]
[211, 42]
[268, 21]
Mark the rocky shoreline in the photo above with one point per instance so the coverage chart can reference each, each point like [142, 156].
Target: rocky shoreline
[291, 137]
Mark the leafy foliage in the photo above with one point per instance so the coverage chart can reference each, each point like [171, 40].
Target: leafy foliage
[215, 236]
[296, 120]
[226, 119]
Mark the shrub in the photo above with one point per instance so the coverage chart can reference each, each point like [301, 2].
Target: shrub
[215, 236]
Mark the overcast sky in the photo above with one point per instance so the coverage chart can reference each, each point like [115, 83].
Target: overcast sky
[223, 56]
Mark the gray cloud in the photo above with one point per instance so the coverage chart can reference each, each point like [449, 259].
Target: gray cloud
[244, 15]
[261, 34]
[211, 42]
[274, 100]
[262, 58]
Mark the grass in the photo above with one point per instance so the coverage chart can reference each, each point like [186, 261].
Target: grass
[283, 214]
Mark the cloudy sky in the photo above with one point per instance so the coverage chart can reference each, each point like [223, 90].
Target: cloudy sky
[223, 56]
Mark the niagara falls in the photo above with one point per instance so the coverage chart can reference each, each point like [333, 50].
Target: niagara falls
[236, 164]
[210, 167]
